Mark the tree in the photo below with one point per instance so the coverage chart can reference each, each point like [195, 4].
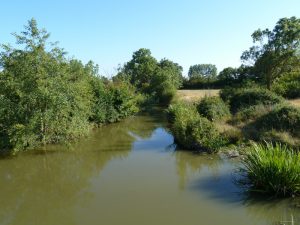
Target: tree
[203, 71]
[160, 80]
[140, 68]
[44, 97]
[235, 76]
[174, 71]
[275, 52]
[228, 76]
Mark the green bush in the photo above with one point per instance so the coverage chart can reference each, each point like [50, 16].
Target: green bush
[288, 85]
[246, 97]
[113, 102]
[227, 93]
[272, 169]
[179, 110]
[47, 98]
[283, 118]
[251, 113]
[213, 108]
[233, 135]
[193, 132]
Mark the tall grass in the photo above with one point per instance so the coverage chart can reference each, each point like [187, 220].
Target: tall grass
[272, 169]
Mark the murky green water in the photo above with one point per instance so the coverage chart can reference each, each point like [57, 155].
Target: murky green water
[129, 174]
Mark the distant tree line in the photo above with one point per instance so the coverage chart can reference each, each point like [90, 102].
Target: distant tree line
[273, 61]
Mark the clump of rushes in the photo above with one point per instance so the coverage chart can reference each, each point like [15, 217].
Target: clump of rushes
[272, 169]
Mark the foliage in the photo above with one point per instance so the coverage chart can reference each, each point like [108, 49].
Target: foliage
[246, 97]
[275, 52]
[192, 131]
[180, 108]
[283, 118]
[272, 169]
[173, 70]
[203, 71]
[233, 77]
[281, 137]
[228, 76]
[46, 98]
[165, 81]
[251, 113]
[288, 85]
[113, 102]
[140, 69]
[159, 80]
[213, 108]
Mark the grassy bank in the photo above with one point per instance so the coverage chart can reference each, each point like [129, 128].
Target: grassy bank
[204, 120]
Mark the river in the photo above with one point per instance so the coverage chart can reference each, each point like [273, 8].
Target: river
[129, 173]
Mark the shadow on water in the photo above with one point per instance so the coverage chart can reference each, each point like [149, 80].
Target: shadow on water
[188, 162]
[219, 188]
[57, 176]
[37, 186]
[222, 187]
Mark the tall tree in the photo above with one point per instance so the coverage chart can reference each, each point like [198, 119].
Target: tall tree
[203, 71]
[44, 98]
[140, 68]
[156, 79]
[275, 52]
[174, 71]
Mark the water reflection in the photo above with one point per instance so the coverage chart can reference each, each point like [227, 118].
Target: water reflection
[188, 163]
[128, 172]
[279, 211]
[35, 186]
[218, 183]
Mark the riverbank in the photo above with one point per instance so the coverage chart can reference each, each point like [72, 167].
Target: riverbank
[236, 121]
[129, 173]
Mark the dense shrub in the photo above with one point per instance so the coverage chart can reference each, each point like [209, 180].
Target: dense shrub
[46, 98]
[272, 169]
[283, 118]
[233, 135]
[246, 97]
[213, 108]
[227, 93]
[180, 109]
[288, 85]
[251, 113]
[113, 102]
[47, 103]
[194, 132]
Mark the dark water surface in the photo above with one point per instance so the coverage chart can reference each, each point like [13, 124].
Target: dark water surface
[129, 174]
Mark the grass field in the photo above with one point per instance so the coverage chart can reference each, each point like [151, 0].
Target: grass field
[295, 102]
[196, 95]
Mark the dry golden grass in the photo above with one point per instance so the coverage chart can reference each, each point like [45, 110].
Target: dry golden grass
[295, 102]
[195, 95]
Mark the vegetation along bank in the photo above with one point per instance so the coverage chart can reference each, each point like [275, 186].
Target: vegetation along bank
[46, 97]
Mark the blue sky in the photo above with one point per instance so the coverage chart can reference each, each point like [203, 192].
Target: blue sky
[185, 31]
